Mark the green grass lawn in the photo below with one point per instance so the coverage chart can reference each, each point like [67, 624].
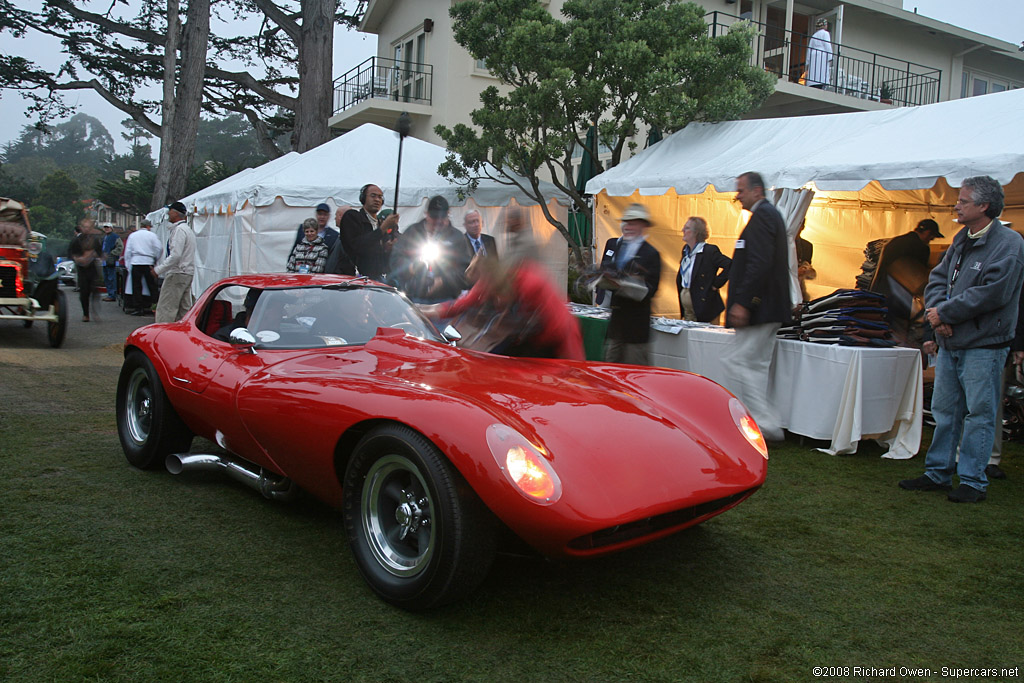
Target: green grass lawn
[108, 573]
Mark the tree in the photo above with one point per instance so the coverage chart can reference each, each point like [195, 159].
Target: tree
[610, 65]
[117, 53]
[81, 140]
[16, 187]
[56, 208]
[230, 141]
[133, 195]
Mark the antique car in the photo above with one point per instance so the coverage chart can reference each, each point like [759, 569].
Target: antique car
[29, 289]
[66, 272]
[340, 387]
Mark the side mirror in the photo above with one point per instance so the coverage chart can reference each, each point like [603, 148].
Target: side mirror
[451, 334]
[240, 336]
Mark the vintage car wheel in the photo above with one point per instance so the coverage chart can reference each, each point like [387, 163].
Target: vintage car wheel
[420, 536]
[55, 331]
[147, 424]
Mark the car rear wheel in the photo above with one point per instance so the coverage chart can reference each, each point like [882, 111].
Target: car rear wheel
[147, 424]
[421, 537]
[55, 331]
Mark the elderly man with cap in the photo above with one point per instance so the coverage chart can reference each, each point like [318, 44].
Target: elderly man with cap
[177, 269]
[327, 233]
[632, 271]
[759, 303]
[429, 260]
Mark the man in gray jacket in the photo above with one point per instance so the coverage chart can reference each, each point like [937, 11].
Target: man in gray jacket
[971, 302]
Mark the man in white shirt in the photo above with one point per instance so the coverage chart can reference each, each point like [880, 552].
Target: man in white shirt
[141, 253]
[177, 269]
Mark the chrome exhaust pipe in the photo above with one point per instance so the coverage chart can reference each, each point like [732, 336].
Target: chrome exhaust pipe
[267, 483]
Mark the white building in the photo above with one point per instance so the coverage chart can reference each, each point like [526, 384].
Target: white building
[882, 53]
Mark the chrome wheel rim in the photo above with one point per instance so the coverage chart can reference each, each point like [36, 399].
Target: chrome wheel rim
[139, 406]
[397, 514]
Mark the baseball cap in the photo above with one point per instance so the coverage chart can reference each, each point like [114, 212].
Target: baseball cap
[931, 226]
[177, 206]
[438, 207]
[323, 207]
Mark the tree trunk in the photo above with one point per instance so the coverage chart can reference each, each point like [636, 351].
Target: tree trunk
[178, 133]
[189, 96]
[316, 89]
[167, 114]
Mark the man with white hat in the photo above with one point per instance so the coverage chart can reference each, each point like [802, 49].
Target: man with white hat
[177, 269]
[632, 273]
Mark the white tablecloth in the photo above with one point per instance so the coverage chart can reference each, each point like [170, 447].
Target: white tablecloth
[838, 393]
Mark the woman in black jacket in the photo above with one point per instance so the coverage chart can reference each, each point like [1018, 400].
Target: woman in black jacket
[703, 270]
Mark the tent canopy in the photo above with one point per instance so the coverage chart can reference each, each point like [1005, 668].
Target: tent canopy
[247, 223]
[874, 175]
[907, 148]
[339, 168]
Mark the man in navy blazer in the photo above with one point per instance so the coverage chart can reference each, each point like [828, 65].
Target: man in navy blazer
[759, 302]
[632, 272]
[478, 240]
[703, 270]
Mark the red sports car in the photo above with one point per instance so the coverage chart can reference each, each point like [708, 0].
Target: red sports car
[341, 387]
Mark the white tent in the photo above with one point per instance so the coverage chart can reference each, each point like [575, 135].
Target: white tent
[871, 175]
[247, 223]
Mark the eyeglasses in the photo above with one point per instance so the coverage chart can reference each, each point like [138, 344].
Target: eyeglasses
[964, 201]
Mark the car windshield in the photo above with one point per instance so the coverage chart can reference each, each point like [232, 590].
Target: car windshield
[311, 317]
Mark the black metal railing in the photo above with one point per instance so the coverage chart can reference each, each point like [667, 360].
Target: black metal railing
[853, 72]
[383, 78]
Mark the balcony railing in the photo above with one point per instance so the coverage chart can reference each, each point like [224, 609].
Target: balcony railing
[382, 78]
[854, 72]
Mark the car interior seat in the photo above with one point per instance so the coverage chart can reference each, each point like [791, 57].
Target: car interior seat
[218, 316]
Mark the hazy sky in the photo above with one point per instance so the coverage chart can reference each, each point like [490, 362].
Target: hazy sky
[1003, 19]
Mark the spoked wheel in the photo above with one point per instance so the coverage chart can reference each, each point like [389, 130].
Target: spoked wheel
[420, 536]
[147, 424]
[55, 330]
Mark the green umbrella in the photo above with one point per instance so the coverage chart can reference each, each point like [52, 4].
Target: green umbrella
[653, 136]
[579, 223]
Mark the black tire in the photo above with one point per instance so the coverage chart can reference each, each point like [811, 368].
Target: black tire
[55, 331]
[27, 323]
[147, 424]
[420, 536]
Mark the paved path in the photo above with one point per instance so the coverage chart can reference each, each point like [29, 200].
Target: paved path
[98, 342]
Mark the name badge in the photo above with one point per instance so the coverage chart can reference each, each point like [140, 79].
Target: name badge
[741, 244]
[610, 252]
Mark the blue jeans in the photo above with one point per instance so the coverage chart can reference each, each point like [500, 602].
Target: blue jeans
[964, 401]
[110, 280]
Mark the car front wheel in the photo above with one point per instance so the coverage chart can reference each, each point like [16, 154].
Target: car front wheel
[421, 537]
[147, 424]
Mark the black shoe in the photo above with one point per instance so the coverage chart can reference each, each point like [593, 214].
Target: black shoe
[966, 494]
[994, 471]
[923, 483]
[140, 312]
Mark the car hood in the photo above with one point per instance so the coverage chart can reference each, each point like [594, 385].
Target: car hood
[627, 442]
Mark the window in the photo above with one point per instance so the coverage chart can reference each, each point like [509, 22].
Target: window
[409, 83]
[978, 83]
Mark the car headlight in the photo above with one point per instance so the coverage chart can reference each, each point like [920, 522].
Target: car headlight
[523, 465]
[748, 428]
